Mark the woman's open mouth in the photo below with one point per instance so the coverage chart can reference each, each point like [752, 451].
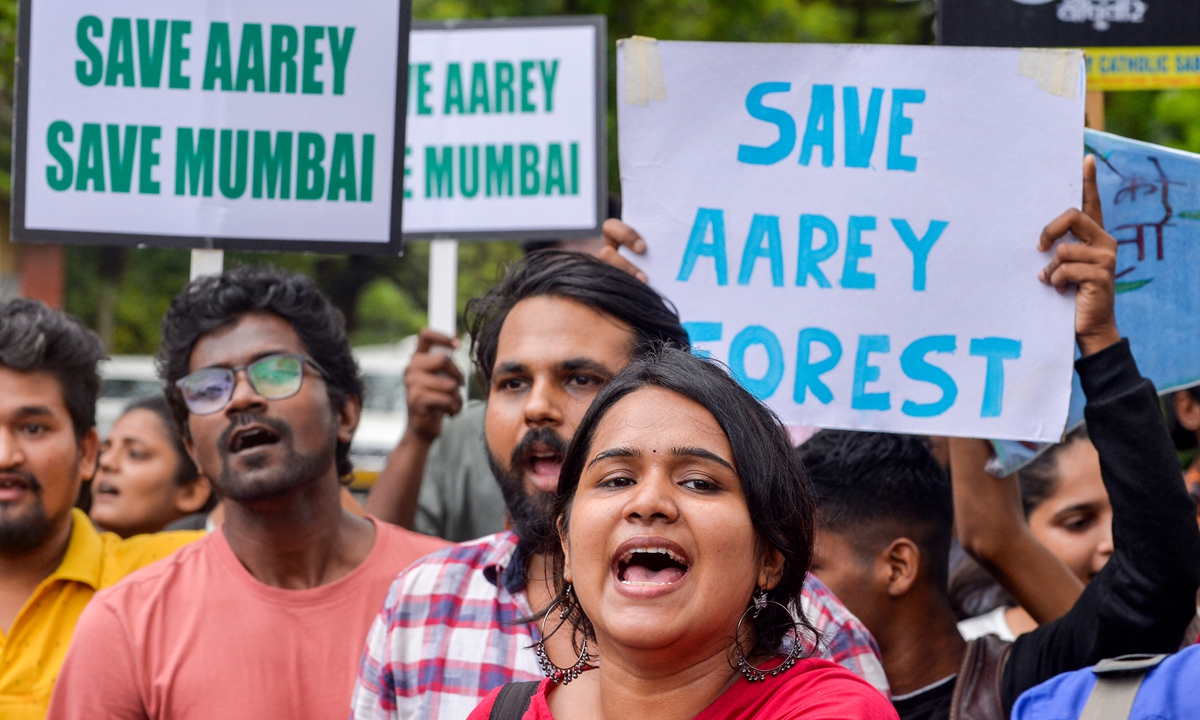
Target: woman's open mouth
[649, 562]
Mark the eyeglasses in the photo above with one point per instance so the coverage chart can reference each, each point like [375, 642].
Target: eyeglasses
[274, 377]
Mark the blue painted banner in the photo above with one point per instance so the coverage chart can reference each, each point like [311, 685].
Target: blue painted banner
[1151, 200]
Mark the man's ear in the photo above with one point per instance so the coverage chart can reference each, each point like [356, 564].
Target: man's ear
[901, 563]
[348, 418]
[772, 569]
[191, 497]
[1187, 410]
[89, 454]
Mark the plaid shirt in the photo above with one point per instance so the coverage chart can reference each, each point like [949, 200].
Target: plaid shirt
[446, 635]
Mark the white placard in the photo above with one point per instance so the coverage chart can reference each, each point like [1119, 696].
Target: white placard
[505, 128]
[868, 269]
[257, 124]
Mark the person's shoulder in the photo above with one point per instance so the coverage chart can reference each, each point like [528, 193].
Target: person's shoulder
[817, 688]
[144, 583]
[122, 557]
[456, 569]
[407, 543]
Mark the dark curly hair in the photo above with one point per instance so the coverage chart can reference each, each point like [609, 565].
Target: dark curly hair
[778, 496]
[214, 301]
[573, 276]
[34, 338]
[1040, 477]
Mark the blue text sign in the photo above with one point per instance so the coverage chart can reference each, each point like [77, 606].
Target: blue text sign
[852, 230]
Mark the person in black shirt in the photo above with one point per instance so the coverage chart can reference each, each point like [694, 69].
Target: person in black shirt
[884, 546]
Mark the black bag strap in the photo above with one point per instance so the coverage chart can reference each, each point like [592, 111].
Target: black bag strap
[513, 700]
[1117, 683]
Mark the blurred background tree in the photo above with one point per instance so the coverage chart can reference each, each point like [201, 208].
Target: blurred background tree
[123, 293]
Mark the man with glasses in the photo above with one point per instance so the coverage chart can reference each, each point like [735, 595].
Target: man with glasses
[265, 617]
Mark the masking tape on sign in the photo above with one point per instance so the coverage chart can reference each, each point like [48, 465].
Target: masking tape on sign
[1057, 71]
[643, 71]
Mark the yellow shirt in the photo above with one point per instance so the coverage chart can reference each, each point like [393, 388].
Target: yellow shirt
[33, 650]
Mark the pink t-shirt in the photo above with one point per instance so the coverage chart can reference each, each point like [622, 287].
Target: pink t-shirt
[196, 636]
[812, 690]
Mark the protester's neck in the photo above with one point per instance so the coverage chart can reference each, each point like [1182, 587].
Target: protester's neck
[297, 540]
[33, 567]
[659, 685]
[921, 643]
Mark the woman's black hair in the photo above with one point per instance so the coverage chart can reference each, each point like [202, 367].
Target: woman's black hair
[214, 301]
[1185, 439]
[186, 471]
[778, 496]
[578, 277]
[1040, 477]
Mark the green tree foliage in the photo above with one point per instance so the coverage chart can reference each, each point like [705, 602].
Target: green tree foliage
[8, 49]
[385, 298]
[1168, 117]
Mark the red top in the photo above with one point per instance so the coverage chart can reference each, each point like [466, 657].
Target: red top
[813, 690]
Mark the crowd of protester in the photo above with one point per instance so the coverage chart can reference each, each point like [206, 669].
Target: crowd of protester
[617, 530]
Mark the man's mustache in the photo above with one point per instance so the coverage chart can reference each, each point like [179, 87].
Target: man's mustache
[9, 475]
[522, 454]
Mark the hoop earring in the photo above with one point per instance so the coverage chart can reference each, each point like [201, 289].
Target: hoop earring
[556, 674]
[752, 673]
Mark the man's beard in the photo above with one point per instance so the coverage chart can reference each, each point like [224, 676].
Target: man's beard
[531, 515]
[24, 533]
[296, 470]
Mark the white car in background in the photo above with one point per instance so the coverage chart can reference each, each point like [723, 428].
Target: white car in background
[125, 378]
[385, 410]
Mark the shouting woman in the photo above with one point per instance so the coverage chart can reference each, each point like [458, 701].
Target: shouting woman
[685, 530]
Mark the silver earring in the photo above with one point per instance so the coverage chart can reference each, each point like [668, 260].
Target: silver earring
[752, 673]
[557, 674]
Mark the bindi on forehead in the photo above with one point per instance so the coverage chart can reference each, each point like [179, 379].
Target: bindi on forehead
[244, 340]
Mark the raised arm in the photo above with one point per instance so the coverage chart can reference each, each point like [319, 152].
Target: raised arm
[1145, 596]
[432, 382]
[991, 527]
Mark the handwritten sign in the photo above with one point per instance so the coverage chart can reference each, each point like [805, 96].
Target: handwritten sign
[506, 128]
[852, 229]
[1151, 200]
[263, 124]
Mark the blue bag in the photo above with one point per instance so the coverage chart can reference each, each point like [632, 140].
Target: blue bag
[1163, 690]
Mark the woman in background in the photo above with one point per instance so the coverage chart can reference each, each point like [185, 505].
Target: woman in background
[145, 478]
[1059, 500]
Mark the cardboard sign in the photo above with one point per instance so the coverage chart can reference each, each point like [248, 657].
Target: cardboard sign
[1068, 23]
[1151, 200]
[506, 129]
[263, 124]
[853, 229]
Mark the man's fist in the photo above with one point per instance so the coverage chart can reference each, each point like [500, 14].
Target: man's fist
[432, 381]
[1089, 264]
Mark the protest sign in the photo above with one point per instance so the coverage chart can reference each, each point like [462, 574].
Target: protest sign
[1143, 68]
[852, 229]
[506, 129]
[1151, 200]
[262, 124]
